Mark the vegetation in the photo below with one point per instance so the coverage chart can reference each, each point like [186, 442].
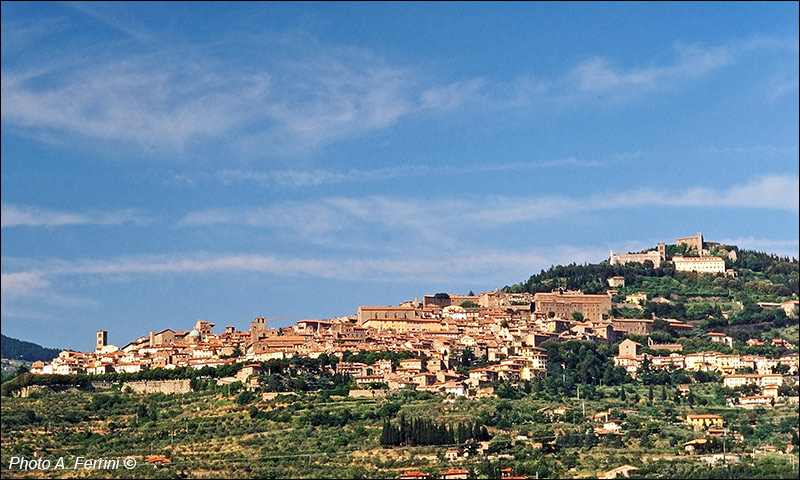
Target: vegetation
[21, 350]
[715, 302]
[302, 423]
[241, 434]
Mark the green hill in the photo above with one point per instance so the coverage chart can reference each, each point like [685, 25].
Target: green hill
[14, 349]
[719, 302]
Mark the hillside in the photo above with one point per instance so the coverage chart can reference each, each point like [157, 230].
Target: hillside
[224, 432]
[14, 349]
[728, 303]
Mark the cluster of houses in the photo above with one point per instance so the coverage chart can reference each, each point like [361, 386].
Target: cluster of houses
[506, 329]
[500, 327]
[766, 376]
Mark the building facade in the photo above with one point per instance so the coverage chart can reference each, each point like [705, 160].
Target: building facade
[699, 264]
[623, 258]
[592, 307]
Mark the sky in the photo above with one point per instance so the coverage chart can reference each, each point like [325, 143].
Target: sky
[168, 162]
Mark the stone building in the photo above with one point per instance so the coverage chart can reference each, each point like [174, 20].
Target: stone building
[623, 258]
[592, 307]
[694, 243]
[699, 264]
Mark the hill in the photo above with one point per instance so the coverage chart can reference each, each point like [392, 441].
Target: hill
[721, 302]
[11, 348]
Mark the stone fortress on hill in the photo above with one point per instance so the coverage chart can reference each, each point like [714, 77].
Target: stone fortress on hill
[698, 258]
[505, 328]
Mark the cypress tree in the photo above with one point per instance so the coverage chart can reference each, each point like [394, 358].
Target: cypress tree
[386, 434]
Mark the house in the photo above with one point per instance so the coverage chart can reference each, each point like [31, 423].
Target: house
[699, 422]
[412, 364]
[634, 326]
[756, 400]
[781, 343]
[636, 298]
[733, 381]
[717, 337]
[455, 473]
[693, 445]
[601, 416]
[247, 370]
[451, 454]
[629, 348]
[414, 475]
[615, 282]
[622, 471]
[561, 410]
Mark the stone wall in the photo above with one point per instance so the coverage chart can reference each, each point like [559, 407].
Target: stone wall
[159, 386]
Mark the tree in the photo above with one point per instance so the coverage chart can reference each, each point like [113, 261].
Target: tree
[577, 316]
[245, 397]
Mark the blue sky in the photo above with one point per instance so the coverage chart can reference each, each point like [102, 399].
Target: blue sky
[168, 162]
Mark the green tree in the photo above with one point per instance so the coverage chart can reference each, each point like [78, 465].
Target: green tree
[245, 397]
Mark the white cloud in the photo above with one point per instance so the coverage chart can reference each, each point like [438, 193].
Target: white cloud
[443, 220]
[30, 216]
[599, 76]
[146, 102]
[462, 267]
[297, 99]
[454, 95]
[305, 178]
[21, 283]
[789, 248]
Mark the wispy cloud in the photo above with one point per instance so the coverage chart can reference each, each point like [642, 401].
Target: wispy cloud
[465, 267]
[21, 283]
[179, 97]
[96, 11]
[30, 216]
[454, 95]
[599, 76]
[337, 220]
[789, 248]
[319, 176]
[781, 86]
[296, 100]
[134, 101]
[774, 192]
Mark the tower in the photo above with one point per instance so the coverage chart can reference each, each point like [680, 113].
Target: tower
[102, 339]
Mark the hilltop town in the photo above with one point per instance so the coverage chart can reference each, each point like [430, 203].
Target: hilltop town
[665, 352]
[504, 329]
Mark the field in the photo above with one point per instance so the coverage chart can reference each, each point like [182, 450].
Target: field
[230, 434]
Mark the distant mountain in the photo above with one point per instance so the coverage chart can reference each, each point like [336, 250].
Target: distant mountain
[12, 348]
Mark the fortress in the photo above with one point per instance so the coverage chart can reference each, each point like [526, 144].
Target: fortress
[654, 256]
